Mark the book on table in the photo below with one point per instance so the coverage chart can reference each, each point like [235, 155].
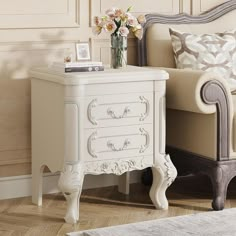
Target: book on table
[78, 66]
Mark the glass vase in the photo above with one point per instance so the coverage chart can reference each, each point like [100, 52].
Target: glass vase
[118, 51]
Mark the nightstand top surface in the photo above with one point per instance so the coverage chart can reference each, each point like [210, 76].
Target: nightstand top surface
[128, 74]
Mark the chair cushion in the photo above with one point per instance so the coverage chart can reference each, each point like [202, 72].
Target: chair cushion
[206, 52]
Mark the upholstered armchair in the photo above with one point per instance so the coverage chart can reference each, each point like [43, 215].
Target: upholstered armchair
[201, 109]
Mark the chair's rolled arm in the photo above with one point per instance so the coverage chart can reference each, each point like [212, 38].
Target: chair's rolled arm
[201, 92]
[196, 91]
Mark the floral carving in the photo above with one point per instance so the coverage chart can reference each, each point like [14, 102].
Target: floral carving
[171, 171]
[112, 113]
[115, 149]
[118, 167]
[70, 183]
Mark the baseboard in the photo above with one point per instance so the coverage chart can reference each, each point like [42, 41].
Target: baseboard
[20, 186]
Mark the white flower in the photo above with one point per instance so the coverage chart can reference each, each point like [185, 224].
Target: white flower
[139, 33]
[96, 30]
[141, 19]
[137, 27]
[123, 31]
[110, 27]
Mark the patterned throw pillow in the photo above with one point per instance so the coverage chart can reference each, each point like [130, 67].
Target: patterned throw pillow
[207, 52]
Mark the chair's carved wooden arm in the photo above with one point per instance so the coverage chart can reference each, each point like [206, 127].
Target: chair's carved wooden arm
[213, 92]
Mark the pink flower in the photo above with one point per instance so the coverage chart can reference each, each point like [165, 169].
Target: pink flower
[119, 22]
[110, 27]
[118, 13]
[123, 31]
[111, 13]
[97, 20]
[100, 21]
[132, 21]
[141, 19]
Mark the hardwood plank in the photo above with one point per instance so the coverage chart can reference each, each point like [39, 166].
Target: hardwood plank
[106, 207]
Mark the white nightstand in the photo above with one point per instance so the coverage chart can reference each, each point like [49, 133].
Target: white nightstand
[96, 123]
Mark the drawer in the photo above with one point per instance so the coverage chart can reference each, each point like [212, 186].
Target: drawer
[118, 142]
[118, 110]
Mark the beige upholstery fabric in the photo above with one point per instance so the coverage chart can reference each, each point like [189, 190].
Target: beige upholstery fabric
[184, 90]
[192, 132]
[206, 52]
[187, 115]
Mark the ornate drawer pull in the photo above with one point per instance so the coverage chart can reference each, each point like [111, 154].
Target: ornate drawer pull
[146, 145]
[91, 106]
[144, 115]
[91, 139]
[111, 113]
[113, 148]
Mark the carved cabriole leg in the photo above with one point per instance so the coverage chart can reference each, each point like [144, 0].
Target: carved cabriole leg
[70, 183]
[164, 173]
[220, 178]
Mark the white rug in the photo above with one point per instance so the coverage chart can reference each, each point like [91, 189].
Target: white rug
[215, 223]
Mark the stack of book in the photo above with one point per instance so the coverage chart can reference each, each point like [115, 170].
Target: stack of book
[87, 66]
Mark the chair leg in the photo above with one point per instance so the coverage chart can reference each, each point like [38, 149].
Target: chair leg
[220, 178]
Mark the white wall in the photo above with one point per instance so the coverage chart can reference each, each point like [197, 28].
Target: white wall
[199, 6]
[36, 33]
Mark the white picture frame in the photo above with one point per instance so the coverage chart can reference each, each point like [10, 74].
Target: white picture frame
[83, 51]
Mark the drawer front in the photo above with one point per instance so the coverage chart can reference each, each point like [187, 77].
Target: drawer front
[118, 142]
[118, 110]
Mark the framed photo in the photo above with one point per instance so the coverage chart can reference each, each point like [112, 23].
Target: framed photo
[82, 51]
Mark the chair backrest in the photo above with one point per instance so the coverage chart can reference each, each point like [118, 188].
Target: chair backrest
[155, 48]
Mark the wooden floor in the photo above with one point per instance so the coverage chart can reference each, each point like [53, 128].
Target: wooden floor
[106, 207]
